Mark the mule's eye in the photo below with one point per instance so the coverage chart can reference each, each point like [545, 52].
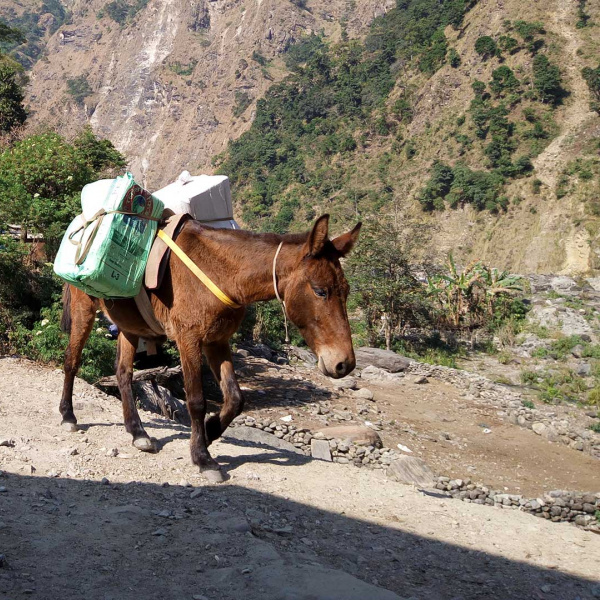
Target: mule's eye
[320, 292]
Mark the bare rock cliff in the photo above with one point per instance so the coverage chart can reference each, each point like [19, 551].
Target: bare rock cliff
[174, 83]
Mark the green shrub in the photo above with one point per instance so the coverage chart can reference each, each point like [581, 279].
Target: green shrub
[486, 47]
[547, 80]
[582, 17]
[527, 403]
[79, 88]
[592, 78]
[593, 397]
[242, 102]
[122, 11]
[508, 44]
[529, 377]
[47, 343]
[259, 58]
[454, 58]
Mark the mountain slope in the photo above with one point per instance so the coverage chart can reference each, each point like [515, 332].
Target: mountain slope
[171, 82]
[163, 83]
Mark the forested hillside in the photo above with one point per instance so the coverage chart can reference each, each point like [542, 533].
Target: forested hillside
[485, 130]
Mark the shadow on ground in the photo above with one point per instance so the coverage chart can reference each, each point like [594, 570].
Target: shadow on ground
[73, 539]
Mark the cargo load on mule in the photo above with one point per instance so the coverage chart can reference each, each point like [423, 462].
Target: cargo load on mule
[206, 197]
[105, 249]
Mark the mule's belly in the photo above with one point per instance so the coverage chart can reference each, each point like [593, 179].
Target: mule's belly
[126, 316]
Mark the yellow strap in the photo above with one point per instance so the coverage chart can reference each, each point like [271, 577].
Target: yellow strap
[196, 271]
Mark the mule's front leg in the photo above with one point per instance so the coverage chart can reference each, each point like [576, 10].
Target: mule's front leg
[126, 348]
[221, 364]
[190, 351]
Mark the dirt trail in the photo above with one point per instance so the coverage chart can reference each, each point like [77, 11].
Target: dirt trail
[576, 112]
[283, 527]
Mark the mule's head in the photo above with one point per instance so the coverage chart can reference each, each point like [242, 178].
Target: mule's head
[315, 298]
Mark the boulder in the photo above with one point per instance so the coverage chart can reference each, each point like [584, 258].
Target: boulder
[302, 354]
[261, 351]
[355, 434]
[411, 470]
[378, 375]
[584, 369]
[363, 393]
[345, 383]
[562, 284]
[384, 359]
[567, 320]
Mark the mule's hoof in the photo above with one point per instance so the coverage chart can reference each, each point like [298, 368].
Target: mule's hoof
[70, 427]
[213, 475]
[144, 444]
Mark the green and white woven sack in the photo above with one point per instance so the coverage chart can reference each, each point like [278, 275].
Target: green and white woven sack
[105, 249]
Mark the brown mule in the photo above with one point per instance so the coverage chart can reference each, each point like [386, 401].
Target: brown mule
[309, 278]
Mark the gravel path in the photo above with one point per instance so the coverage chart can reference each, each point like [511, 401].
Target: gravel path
[85, 516]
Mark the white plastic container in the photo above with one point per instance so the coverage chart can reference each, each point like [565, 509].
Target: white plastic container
[206, 197]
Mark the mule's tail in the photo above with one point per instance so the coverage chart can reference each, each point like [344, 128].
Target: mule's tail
[65, 322]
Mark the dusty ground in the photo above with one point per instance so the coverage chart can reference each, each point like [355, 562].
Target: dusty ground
[283, 527]
[434, 421]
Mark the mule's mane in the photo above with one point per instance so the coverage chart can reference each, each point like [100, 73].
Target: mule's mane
[241, 235]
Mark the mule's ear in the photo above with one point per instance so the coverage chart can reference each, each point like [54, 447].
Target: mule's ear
[344, 243]
[318, 236]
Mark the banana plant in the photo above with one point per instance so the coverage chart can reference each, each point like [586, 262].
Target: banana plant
[498, 283]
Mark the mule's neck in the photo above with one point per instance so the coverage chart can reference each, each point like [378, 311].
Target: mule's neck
[252, 264]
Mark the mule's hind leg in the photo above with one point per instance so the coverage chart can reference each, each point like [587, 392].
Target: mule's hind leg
[126, 347]
[221, 364]
[190, 351]
[79, 311]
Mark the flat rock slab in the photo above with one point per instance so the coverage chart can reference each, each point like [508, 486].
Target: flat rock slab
[258, 436]
[384, 359]
[312, 582]
[320, 449]
[411, 470]
[362, 436]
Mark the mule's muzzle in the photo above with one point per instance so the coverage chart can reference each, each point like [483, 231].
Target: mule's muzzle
[337, 369]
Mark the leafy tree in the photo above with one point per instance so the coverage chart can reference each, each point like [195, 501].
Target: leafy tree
[547, 80]
[486, 47]
[592, 78]
[12, 111]
[503, 80]
[41, 178]
[10, 35]
[384, 284]
[99, 154]
[79, 88]
[454, 58]
[508, 44]
[438, 186]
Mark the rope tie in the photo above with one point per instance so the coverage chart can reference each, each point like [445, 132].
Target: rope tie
[83, 249]
[281, 301]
